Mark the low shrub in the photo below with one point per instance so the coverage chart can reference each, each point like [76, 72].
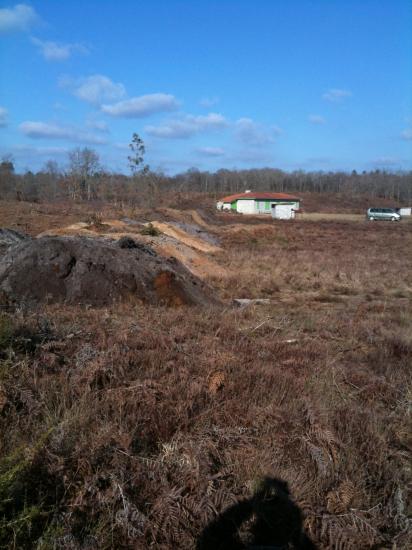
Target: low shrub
[150, 230]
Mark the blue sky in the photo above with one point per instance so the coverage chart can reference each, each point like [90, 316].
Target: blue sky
[291, 84]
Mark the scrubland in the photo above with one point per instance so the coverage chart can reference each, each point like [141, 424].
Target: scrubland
[137, 426]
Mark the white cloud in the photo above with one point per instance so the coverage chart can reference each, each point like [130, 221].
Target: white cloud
[407, 134]
[335, 95]
[18, 18]
[211, 151]
[142, 106]
[99, 125]
[3, 117]
[59, 106]
[32, 157]
[386, 162]
[212, 120]
[53, 51]
[187, 126]
[276, 130]
[249, 132]
[44, 130]
[209, 101]
[94, 89]
[121, 146]
[174, 129]
[316, 119]
[40, 150]
[252, 155]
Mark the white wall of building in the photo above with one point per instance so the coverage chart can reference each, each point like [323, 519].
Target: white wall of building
[255, 206]
[246, 206]
[283, 211]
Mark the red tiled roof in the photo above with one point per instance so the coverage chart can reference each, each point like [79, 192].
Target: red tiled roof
[260, 196]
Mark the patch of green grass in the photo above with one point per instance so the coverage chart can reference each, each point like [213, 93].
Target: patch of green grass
[26, 496]
[6, 332]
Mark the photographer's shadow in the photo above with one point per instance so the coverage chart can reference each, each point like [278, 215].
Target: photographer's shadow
[274, 521]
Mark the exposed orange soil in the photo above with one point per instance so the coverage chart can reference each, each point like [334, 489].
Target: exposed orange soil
[188, 249]
[185, 238]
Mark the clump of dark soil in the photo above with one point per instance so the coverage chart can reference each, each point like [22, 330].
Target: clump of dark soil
[128, 243]
[96, 272]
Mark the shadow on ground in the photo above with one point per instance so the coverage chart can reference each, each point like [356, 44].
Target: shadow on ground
[268, 520]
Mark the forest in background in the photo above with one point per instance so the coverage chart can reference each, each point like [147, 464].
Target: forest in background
[85, 179]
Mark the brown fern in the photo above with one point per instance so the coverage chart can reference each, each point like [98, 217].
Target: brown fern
[216, 381]
[339, 500]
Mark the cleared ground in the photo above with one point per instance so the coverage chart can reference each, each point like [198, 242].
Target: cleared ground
[136, 426]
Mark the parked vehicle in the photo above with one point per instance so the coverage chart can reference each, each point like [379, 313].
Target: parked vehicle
[383, 214]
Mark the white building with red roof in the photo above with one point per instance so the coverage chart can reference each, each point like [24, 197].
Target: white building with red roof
[278, 205]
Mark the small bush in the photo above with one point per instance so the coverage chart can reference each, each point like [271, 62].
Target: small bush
[96, 219]
[150, 230]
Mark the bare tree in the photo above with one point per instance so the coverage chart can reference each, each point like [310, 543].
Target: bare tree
[52, 168]
[49, 178]
[84, 164]
[7, 179]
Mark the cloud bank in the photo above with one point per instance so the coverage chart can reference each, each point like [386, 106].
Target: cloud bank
[54, 51]
[211, 151]
[407, 134]
[44, 130]
[94, 89]
[19, 18]
[3, 117]
[187, 126]
[249, 132]
[336, 95]
[142, 106]
[316, 119]
[209, 102]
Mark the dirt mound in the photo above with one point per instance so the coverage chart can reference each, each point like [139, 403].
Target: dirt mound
[190, 248]
[97, 272]
[10, 238]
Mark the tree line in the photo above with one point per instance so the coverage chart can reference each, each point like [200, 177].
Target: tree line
[84, 179]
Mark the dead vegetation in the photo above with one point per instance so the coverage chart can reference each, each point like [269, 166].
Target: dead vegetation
[135, 426]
